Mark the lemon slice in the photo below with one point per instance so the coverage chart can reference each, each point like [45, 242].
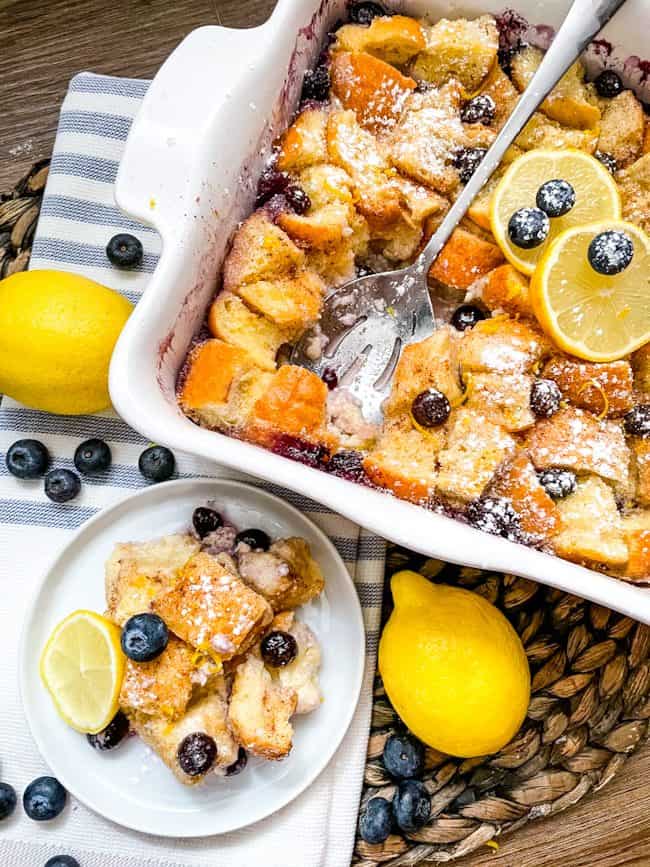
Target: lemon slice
[597, 197]
[590, 315]
[82, 667]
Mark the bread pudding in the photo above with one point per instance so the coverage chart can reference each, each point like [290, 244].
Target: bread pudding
[489, 419]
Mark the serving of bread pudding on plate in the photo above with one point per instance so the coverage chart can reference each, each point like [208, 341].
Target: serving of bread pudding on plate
[526, 414]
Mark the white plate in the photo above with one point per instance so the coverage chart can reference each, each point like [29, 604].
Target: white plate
[131, 786]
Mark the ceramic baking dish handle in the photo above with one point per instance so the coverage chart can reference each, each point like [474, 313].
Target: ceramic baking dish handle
[196, 86]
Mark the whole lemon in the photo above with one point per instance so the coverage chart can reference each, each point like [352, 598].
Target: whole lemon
[453, 667]
[57, 333]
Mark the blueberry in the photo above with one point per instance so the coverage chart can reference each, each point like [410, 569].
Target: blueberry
[556, 197]
[411, 805]
[238, 766]
[144, 637]
[528, 228]
[545, 398]
[271, 183]
[608, 83]
[62, 861]
[330, 378]
[62, 485]
[196, 754]
[92, 456]
[112, 736]
[466, 316]
[316, 84]
[637, 421]
[257, 540]
[7, 800]
[494, 515]
[157, 463]
[44, 798]
[403, 756]
[607, 160]
[430, 408]
[27, 459]
[363, 13]
[610, 252]
[279, 648]
[466, 160]
[479, 109]
[297, 199]
[206, 521]
[376, 822]
[557, 483]
[124, 251]
[348, 464]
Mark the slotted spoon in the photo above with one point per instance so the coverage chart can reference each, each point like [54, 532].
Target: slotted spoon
[365, 323]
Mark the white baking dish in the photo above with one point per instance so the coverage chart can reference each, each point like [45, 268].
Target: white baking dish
[190, 168]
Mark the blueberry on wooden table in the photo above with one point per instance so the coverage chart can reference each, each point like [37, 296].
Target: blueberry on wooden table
[92, 456]
[557, 482]
[608, 83]
[62, 861]
[376, 821]
[411, 805]
[8, 800]
[124, 251]
[256, 540]
[44, 799]
[279, 648]
[206, 520]
[62, 485]
[528, 228]
[610, 252]
[144, 637]
[403, 756]
[112, 736]
[196, 754]
[466, 316]
[157, 463]
[27, 459]
[556, 197]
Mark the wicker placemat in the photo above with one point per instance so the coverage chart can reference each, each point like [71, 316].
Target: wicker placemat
[591, 681]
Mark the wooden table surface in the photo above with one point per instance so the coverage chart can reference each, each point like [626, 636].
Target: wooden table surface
[44, 43]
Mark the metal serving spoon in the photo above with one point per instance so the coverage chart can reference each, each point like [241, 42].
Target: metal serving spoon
[366, 322]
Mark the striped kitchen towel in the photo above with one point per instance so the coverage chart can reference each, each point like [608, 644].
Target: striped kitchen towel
[77, 219]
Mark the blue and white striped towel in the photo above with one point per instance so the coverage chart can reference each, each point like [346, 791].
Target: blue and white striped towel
[77, 219]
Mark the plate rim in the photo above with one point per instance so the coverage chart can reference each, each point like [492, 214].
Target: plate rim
[25, 661]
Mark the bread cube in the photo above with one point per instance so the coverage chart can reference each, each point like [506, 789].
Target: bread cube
[622, 128]
[260, 710]
[591, 528]
[232, 321]
[543, 132]
[570, 102]
[475, 448]
[506, 289]
[641, 367]
[136, 572]
[392, 38]
[260, 251]
[374, 90]
[429, 363]
[502, 345]
[464, 259]
[301, 675]
[327, 183]
[517, 481]
[636, 530]
[295, 403]
[641, 465]
[634, 185]
[499, 87]
[211, 368]
[404, 460]
[576, 440]
[319, 228]
[462, 49]
[420, 200]
[212, 609]
[646, 138]
[162, 687]
[303, 144]
[479, 210]
[292, 303]
[606, 389]
[504, 399]
[286, 575]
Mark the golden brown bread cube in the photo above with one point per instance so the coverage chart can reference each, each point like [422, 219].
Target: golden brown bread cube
[634, 185]
[500, 88]
[544, 132]
[162, 687]
[260, 710]
[479, 210]
[212, 609]
[506, 289]
[641, 461]
[606, 389]
[136, 572]
[260, 251]
[303, 144]
[591, 529]
[503, 398]
[392, 38]
[517, 481]
[405, 458]
[464, 259]
[462, 49]
[321, 228]
[292, 303]
[578, 441]
[286, 575]
[636, 530]
[475, 448]
[622, 127]
[641, 367]
[235, 323]
[502, 345]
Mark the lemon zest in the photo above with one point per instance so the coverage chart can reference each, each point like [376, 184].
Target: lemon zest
[595, 384]
[493, 845]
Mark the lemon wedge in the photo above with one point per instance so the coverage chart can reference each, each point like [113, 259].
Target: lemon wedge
[591, 315]
[82, 667]
[597, 197]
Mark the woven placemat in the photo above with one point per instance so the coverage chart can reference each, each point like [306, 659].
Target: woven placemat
[591, 681]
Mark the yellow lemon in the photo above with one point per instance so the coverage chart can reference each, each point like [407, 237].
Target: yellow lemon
[594, 316]
[82, 667]
[57, 333]
[453, 667]
[597, 197]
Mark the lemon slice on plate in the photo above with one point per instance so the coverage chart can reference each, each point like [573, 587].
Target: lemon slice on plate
[82, 667]
[597, 197]
[591, 315]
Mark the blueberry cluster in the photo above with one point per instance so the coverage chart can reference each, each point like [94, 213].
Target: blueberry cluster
[529, 227]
